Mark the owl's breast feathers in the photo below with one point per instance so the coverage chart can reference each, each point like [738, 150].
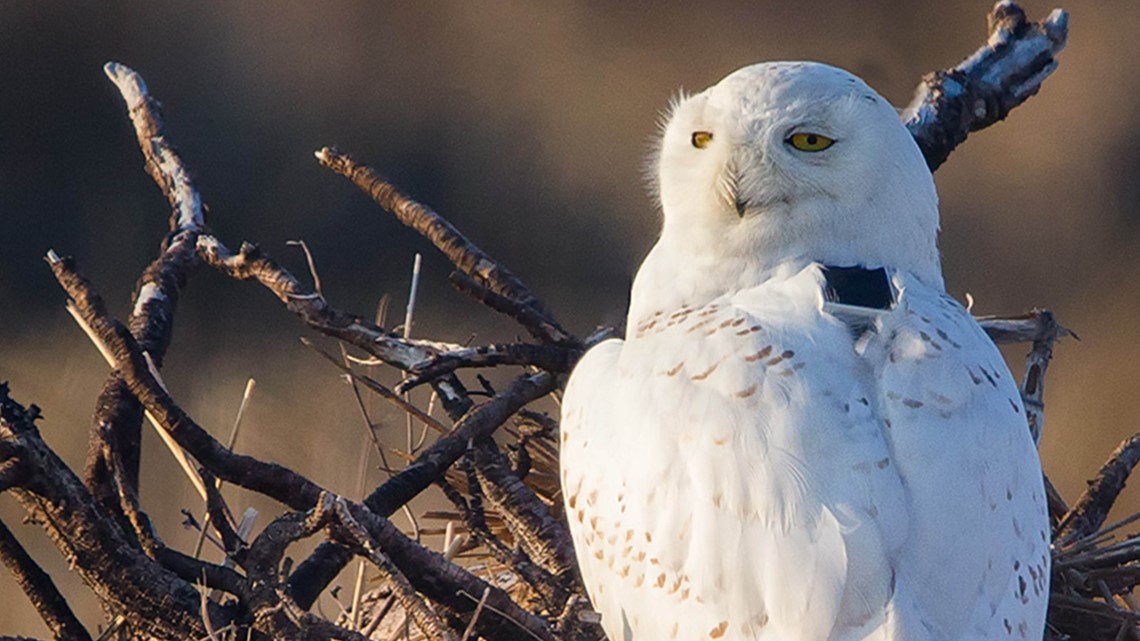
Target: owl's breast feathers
[740, 470]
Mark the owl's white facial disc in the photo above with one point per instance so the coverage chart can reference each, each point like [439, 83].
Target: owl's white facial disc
[789, 163]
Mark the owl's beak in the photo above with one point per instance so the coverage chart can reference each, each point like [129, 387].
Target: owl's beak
[741, 205]
[733, 184]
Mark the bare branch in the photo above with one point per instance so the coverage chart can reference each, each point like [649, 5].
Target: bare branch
[534, 321]
[272, 480]
[154, 601]
[129, 503]
[197, 571]
[354, 534]
[1093, 506]
[271, 610]
[471, 511]
[266, 551]
[1037, 325]
[315, 311]
[40, 589]
[218, 514]
[550, 588]
[480, 422]
[162, 163]
[552, 358]
[466, 257]
[983, 89]
[252, 263]
[529, 520]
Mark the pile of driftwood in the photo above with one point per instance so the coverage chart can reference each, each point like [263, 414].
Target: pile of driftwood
[508, 570]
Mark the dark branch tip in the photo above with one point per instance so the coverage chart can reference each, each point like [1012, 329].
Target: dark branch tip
[12, 412]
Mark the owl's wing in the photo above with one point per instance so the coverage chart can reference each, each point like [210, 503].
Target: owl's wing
[725, 474]
[978, 554]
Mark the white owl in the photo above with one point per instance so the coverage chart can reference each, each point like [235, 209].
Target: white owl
[802, 436]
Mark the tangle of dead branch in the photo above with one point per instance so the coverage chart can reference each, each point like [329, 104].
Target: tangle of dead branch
[506, 567]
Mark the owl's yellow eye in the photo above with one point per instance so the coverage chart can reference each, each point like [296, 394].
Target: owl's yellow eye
[810, 142]
[701, 139]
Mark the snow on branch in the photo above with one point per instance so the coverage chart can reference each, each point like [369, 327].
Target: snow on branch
[983, 89]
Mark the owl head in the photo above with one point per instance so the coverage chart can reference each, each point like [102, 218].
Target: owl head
[796, 162]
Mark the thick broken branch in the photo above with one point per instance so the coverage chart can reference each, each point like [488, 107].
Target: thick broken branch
[118, 415]
[162, 162]
[984, 88]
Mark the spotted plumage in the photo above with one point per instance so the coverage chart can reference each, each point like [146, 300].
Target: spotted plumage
[757, 460]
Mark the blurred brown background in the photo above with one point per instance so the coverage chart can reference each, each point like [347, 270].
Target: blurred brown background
[526, 124]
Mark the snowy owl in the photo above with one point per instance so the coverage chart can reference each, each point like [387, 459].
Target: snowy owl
[802, 436]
